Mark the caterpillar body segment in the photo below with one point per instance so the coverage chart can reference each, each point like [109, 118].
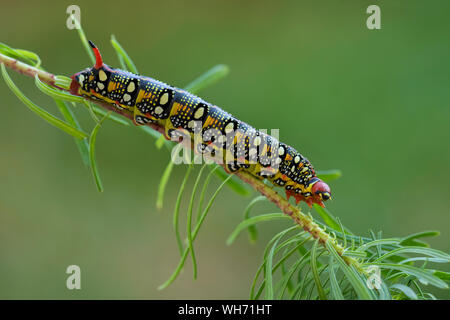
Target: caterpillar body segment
[222, 136]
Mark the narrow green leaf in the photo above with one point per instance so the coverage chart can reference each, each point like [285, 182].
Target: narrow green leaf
[63, 82]
[268, 272]
[426, 259]
[253, 220]
[270, 247]
[292, 270]
[41, 112]
[123, 56]
[160, 142]
[315, 272]
[261, 267]
[352, 275]
[155, 134]
[82, 145]
[328, 218]
[194, 235]
[35, 59]
[93, 162]
[329, 175]
[335, 288]
[203, 192]
[408, 240]
[176, 213]
[102, 112]
[208, 78]
[417, 250]
[425, 276]
[442, 275]
[162, 185]
[356, 254]
[407, 291]
[83, 38]
[234, 183]
[189, 220]
[252, 231]
[367, 245]
[384, 293]
[55, 93]
[88, 105]
[25, 56]
[415, 243]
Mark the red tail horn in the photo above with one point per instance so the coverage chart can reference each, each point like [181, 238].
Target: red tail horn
[98, 56]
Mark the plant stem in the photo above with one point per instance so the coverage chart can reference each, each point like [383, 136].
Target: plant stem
[27, 70]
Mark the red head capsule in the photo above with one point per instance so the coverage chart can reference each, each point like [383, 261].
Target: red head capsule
[321, 192]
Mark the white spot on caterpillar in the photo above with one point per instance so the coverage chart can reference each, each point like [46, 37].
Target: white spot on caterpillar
[229, 127]
[221, 139]
[126, 97]
[102, 75]
[131, 87]
[280, 151]
[100, 85]
[199, 113]
[159, 110]
[252, 152]
[292, 169]
[297, 159]
[191, 124]
[164, 98]
[81, 79]
[257, 141]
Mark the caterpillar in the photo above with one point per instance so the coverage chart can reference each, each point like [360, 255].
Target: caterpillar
[222, 136]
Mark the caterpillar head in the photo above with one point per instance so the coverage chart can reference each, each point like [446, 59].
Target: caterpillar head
[317, 192]
[82, 79]
[320, 192]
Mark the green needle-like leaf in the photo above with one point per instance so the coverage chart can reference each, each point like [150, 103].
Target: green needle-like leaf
[412, 239]
[335, 289]
[82, 145]
[417, 250]
[93, 162]
[25, 56]
[253, 220]
[329, 175]
[208, 78]
[176, 213]
[83, 38]
[407, 291]
[252, 231]
[124, 58]
[55, 93]
[352, 276]
[234, 184]
[194, 236]
[203, 192]
[425, 276]
[102, 112]
[160, 142]
[162, 185]
[329, 219]
[41, 112]
[189, 221]
[315, 272]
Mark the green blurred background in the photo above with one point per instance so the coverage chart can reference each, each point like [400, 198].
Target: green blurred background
[374, 104]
